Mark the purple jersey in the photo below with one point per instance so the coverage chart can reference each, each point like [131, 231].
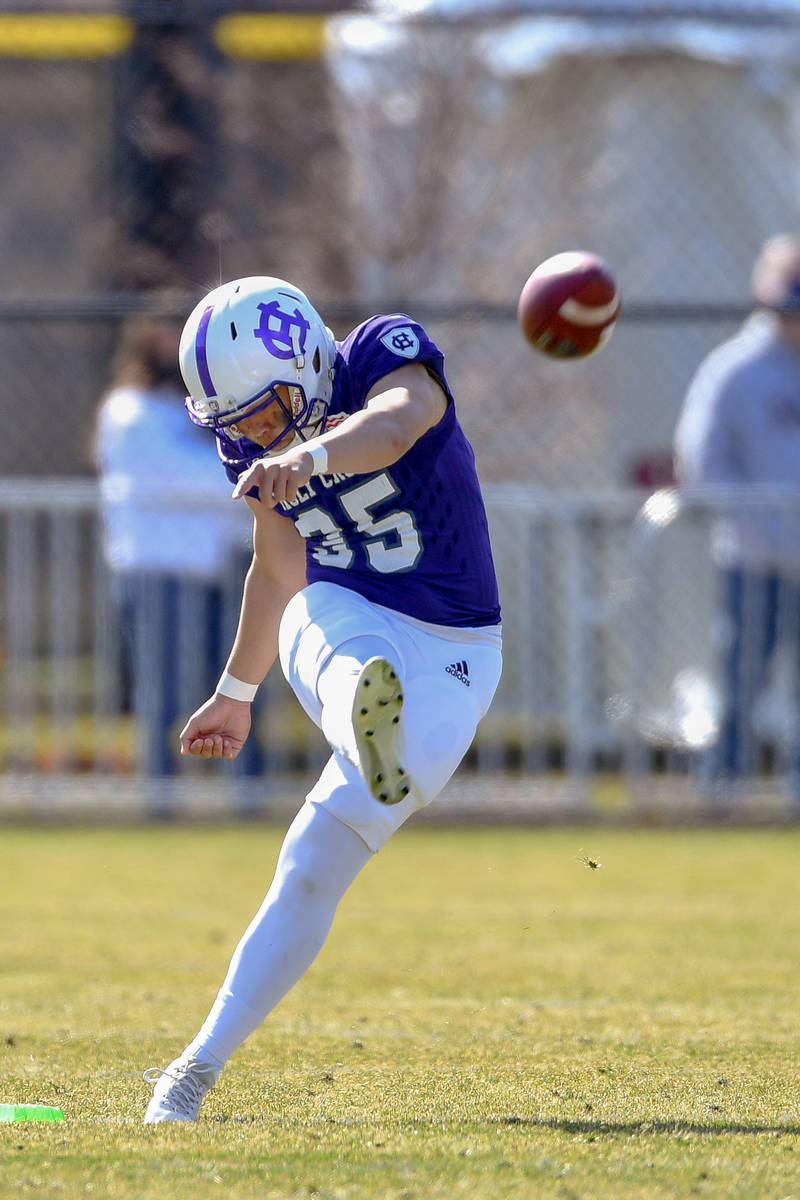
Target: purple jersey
[413, 536]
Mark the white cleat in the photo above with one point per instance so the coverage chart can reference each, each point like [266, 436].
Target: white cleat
[377, 708]
[179, 1090]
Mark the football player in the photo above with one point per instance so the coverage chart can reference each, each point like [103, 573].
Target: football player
[372, 581]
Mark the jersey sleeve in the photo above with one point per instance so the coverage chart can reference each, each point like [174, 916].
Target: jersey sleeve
[381, 345]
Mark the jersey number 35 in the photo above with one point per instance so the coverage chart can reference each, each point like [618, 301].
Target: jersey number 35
[392, 542]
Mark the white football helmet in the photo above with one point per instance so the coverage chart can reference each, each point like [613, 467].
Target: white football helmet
[241, 341]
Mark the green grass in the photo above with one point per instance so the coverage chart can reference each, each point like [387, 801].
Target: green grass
[490, 1017]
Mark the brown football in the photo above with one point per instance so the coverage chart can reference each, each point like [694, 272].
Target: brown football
[569, 305]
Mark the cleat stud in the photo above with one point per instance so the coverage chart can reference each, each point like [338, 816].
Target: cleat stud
[379, 779]
[384, 796]
[395, 720]
[404, 791]
[369, 732]
[364, 712]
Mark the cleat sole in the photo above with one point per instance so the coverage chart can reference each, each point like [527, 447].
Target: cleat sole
[376, 720]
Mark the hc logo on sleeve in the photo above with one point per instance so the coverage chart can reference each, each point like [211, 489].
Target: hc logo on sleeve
[402, 341]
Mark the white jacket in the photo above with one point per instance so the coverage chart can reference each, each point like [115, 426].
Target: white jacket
[166, 500]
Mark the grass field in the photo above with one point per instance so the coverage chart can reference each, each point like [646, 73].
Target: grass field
[491, 1017]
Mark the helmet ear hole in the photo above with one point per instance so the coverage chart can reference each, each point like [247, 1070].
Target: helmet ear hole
[234, 332]
[315, 362]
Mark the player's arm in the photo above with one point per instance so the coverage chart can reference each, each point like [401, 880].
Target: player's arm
[399, 409]
[220, 727]
[277, 572]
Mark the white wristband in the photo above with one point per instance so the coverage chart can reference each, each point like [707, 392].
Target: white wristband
[235, 688]
[319, 454]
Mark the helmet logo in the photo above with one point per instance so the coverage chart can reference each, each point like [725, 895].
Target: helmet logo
[283, 334]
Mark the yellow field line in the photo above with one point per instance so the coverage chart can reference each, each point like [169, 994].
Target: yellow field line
[238, 35]
[49, 35]
[270, 35]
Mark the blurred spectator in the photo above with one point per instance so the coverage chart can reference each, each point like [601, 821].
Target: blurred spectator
[177, 554]
[740, 428]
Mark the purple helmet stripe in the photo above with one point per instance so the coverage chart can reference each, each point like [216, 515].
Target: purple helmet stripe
[200, 356]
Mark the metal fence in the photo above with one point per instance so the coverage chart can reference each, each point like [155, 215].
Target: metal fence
[611, 698]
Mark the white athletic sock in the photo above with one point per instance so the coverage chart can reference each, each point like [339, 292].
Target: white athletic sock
[319, 859]
[336, 689]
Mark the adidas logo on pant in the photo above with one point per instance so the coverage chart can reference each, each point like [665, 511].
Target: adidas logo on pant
[460, 670]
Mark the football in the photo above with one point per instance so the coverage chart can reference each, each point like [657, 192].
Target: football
[569, 305]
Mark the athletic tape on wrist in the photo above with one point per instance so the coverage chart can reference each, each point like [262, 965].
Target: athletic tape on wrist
[235, 688]
[319, 453]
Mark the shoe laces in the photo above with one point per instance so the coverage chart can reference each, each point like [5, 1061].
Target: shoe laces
[187, 1087]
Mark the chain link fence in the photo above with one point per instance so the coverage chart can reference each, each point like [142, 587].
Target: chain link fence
[421, 158]
[424, 163]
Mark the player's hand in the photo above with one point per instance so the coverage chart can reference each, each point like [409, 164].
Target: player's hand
[277, 478]
[218, 729]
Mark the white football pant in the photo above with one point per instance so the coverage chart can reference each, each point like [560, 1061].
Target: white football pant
[449, 677]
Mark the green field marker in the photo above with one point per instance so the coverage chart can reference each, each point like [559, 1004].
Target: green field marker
[30, 1112]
